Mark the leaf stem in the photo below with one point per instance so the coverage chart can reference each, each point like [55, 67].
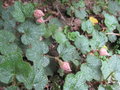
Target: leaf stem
[109, 75]
[14, 81]
[114, 34]
[56, 58]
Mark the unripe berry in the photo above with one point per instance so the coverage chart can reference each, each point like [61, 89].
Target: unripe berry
[40, 20]
[103, 52]
[38, 13]
[65, 66]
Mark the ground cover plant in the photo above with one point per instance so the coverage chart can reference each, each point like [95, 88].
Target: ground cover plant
[59, 45]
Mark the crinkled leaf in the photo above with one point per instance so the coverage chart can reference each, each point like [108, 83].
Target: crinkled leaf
[112, 38]
[40, 80]
[92, 67]
[12, 88]
[12, 56]
[111, 67]
[87, 71]
[75, 82]
[68, 52]
[96, 9]
[8, 48]
[9, 22]
[60, 37]
[98, 40]
[9, 25]
[36, 78]
[93, 61]
[115, 86]
[80, 14]
[1, 24]
[87, 26]
[101, 87]
[1, 6]
[50, 30]
[72, 35]
[56, 22]
[36, 53]
[6, 37]
[110, 21]
[82, 43]
[28, 9]
[17, 13]
[6, 13]
[9, 69]
[78, 4]
[31, 32]
[113, 7]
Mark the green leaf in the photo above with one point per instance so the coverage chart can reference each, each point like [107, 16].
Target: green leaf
[98, 40]
[60, 37]
[8, 48]
[40, 80]
[9, 69]
[12, 56]
[6, 37]
[115, 86]
[56, 22]
[31, 32]
[1, 24]
[110, 21]
[12, 88]
[111, 67]
[28, 9]
[88, 72]
[79, 4]
[82, 43]
[1, 3]
[96, 9]
[68, 52]
[101, 87]
[87, 26]
[72, 35]
[94, 63]
[17, 13]
[9, 25]
[36, 53]
[50, 30]
[113, 7]
[36, 78]
[9, 22]
[75, 82]
[80, 14]
[6, 13]
[112, 38]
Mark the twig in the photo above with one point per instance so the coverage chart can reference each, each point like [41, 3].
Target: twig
[117, 34]
[60, 13]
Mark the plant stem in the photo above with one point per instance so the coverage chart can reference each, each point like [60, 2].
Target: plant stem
[114, 34]
[56, 58]
[109, 75]
[14, 81]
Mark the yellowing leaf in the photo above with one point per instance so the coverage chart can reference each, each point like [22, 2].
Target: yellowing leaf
[105, 47]
[93, 20]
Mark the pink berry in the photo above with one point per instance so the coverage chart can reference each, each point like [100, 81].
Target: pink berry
[38, 13]
[40, 20]
[103, 52]
[65, 66]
